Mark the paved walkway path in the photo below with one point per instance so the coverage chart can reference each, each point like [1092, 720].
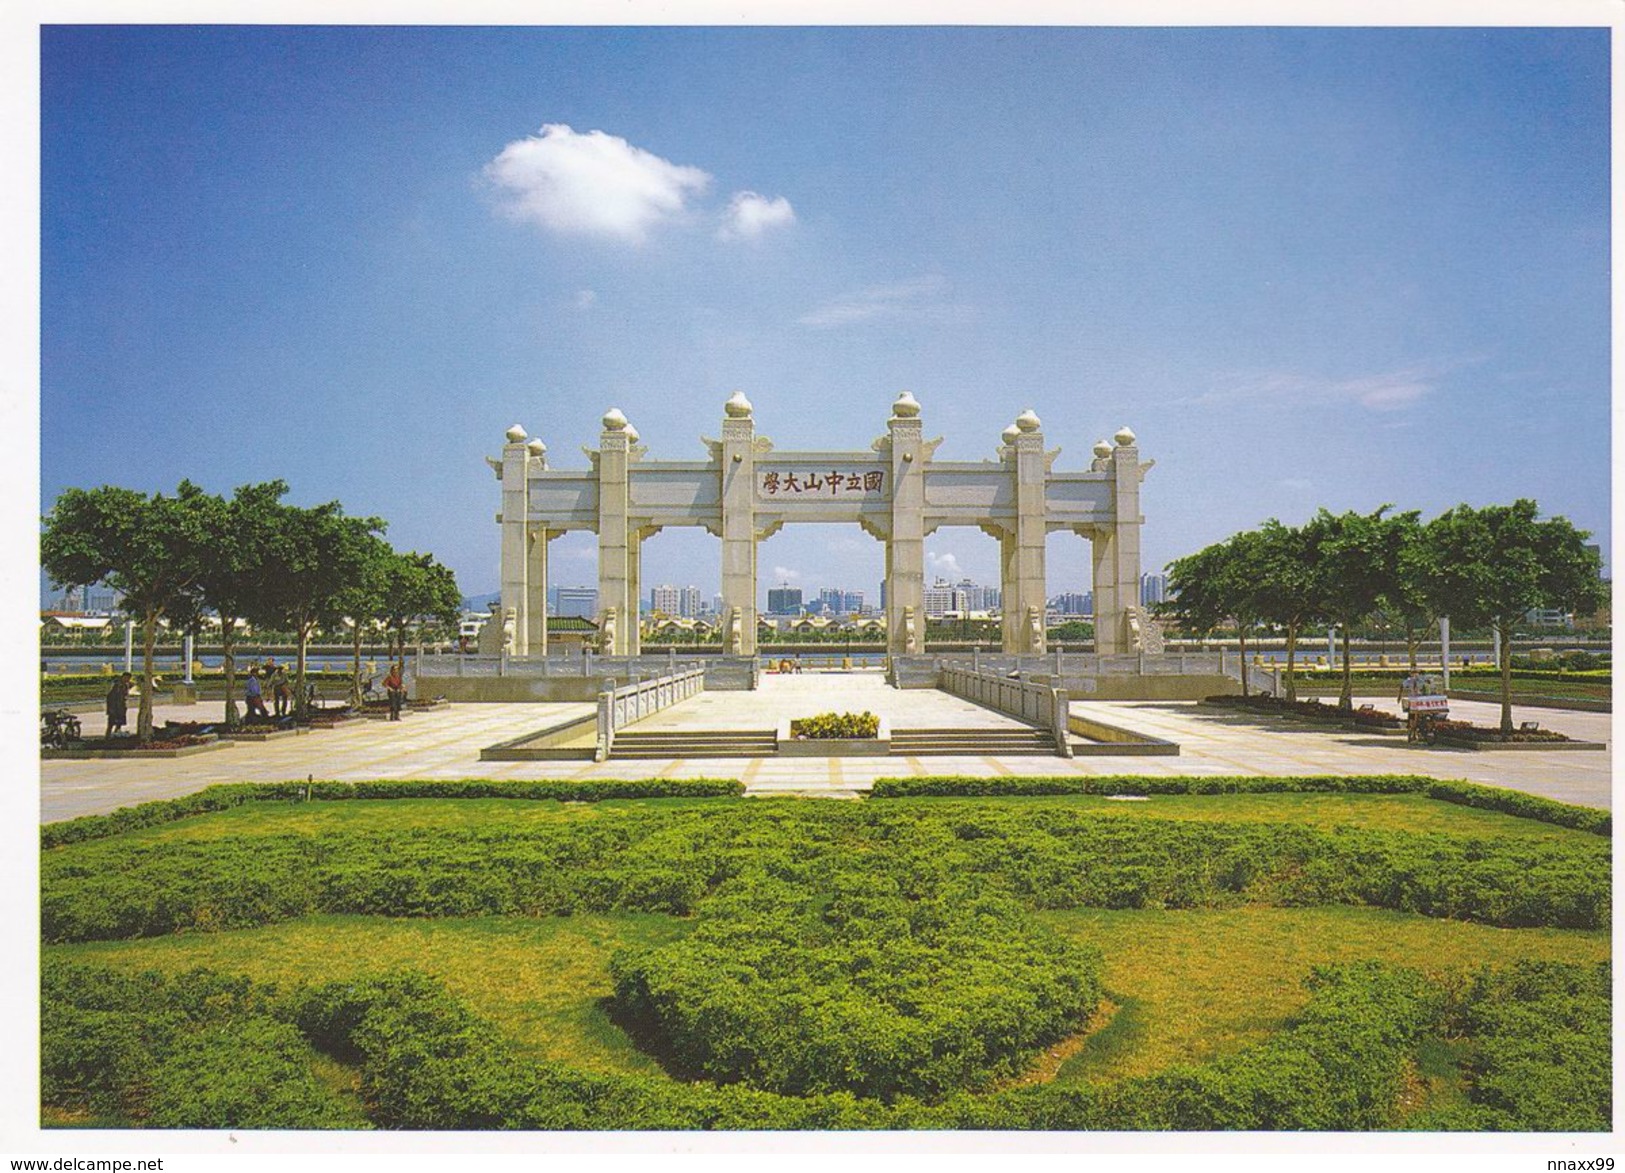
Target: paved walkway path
[446, 744]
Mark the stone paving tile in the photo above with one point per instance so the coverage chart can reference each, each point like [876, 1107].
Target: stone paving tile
[445, 744]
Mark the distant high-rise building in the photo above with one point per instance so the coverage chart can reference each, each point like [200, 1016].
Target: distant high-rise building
[688, 602]
[579, 602]
[665, 600]
[784, 600]
[840, 602]
[1073, 603]
[1153, 589]
[941, 598]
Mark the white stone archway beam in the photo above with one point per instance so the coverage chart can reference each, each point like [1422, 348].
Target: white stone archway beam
[896, 491]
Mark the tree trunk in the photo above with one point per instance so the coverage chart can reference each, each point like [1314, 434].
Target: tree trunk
[301, 701]
[355, 675]
[1241, 631]
[228, 666]
[149, 640]
[1506, 676]
[1345, 699]
[1291, 661]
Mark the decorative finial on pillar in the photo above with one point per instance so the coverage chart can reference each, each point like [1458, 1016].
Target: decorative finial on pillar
[1124, 437]
[737, 407]
[1103, 449]
[614, 420]
[516, 435]
[632, 434]
[1009, 434]
[1027, 421]
[536, 447]
[906, 407]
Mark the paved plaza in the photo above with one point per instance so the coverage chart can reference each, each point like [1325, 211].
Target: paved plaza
[446, 743]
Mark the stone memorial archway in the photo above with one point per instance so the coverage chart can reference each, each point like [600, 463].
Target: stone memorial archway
[745, 490]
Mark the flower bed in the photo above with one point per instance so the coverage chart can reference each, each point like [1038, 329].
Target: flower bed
[1466, 731]
[836, 727]
[1365, 717]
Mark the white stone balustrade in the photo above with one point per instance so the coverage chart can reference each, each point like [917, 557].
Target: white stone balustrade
[1036, 703]
[620, 707]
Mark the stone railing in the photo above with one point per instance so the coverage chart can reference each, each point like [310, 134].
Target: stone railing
[583, 663]
[1033, 701]
[621, 707]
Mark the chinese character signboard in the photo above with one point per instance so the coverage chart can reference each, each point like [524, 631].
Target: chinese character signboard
[804, 483]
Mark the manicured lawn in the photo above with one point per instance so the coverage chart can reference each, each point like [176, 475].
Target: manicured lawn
[542, 981]
[1195, 984]
[396, 815]
[1391, 812]
[1396, 812]
[1188, 985]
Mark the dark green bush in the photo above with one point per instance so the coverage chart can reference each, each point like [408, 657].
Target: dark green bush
[670, 860]
[1541, 1058]
[199, 1050]
[863, 989]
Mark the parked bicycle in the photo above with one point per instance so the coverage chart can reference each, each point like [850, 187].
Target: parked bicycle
[58, 728]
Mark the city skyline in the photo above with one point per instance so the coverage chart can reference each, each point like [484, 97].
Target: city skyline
[1340, 267]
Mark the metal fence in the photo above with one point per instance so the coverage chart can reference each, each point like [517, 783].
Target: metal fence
[620, 707]
[1035, 702]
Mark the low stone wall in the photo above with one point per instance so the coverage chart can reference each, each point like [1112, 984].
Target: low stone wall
[1149, 688]
[508, 689]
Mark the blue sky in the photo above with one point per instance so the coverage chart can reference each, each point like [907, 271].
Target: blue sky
[1308, 267]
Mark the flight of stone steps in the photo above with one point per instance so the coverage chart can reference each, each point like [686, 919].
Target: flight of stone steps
[971, 742]
[760, 743]
[696, 743]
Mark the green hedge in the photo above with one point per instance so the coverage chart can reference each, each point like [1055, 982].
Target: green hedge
[427, 1063]
[195, 1051]
[1495, 798]
[232, 794]
[668, 861]
[1541, 1057]
[868, 988]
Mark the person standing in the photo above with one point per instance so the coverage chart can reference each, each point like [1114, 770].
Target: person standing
[118, 703]
[396, 688]
[281, 691]
[253, 697]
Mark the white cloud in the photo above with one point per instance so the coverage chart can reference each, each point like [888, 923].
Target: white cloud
[921, 297]
[945, 566]
[749, 215]
[592, 184]
[585, 299]
[1387, 392]
[785, 574]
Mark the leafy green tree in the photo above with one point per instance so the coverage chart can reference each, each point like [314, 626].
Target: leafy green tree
[153, 550]
[416, 589]
[364, 601]
[1407, 605]
[1287, 586]
[1218, 585]
[1356, 564]
[236, 572]
[316, 555]
[1491, 566]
